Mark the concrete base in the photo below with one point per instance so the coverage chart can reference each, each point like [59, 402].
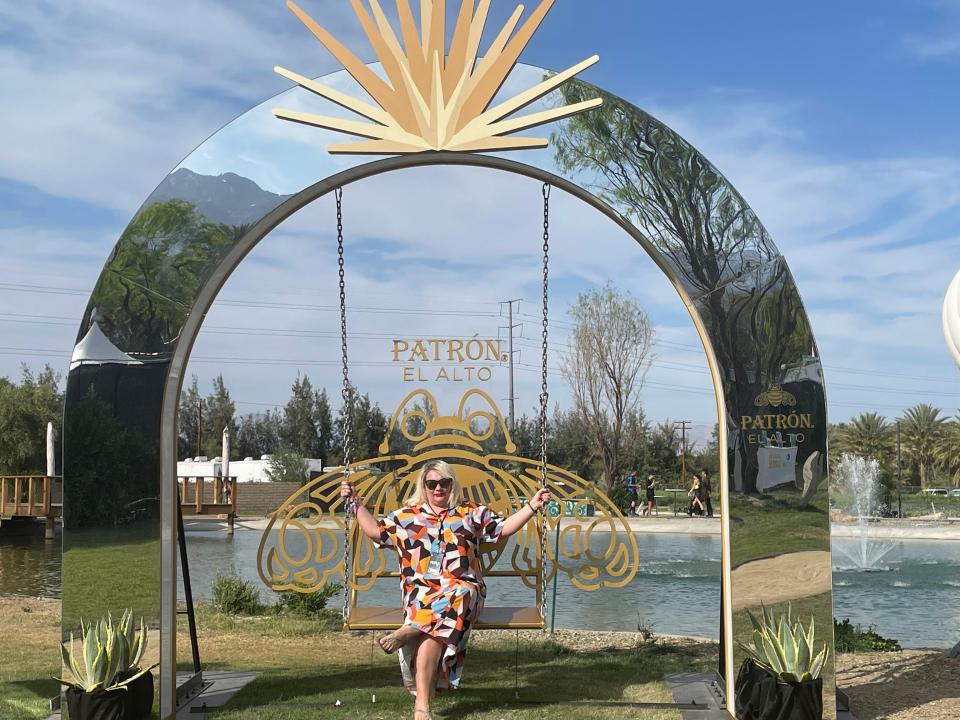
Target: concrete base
[218, 688]
[706, 691]
[701, 689]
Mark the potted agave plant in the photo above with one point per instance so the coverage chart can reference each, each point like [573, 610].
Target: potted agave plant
[106, 682]
[780, 678]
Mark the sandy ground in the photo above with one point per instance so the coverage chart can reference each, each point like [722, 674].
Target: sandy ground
[798, 575]
[907, 685]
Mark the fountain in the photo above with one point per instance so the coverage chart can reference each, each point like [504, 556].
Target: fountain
[860, 479]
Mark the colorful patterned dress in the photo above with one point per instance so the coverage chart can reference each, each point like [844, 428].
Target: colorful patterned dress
[446, 605]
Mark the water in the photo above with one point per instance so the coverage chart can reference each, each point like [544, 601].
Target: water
[917, 602]
[677, 571]
[30, 565]
[860, 478]
[676, 591]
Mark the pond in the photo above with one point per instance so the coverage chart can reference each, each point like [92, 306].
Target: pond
[916, 599]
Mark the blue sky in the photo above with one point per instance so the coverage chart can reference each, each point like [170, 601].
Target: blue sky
[838, 122]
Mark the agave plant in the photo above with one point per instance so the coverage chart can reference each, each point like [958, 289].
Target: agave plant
[785, 648]
[110, 652]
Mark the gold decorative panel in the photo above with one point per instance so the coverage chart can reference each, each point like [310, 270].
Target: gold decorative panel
[477, 444]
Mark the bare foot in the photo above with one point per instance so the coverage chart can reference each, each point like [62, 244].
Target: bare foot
[397, 639]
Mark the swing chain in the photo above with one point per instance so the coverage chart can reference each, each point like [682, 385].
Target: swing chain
[347, 396]
[544, 395]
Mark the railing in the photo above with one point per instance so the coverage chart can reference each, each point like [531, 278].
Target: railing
[31, 496]
[209, 495]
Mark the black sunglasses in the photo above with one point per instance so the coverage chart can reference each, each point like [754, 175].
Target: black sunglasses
[445, 483]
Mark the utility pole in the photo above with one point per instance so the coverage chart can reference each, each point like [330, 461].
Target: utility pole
[899, 480]
[199, 425]
[510, 328]
[684, 426]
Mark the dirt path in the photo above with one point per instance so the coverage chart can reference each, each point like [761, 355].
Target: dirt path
[908, 685]
[782, 578]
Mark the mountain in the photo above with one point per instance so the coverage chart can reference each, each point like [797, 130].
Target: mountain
[229, 198]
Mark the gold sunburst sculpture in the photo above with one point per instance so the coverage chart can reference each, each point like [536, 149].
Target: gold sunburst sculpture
[434, 98]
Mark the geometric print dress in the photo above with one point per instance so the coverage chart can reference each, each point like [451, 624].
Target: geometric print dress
[443, 604]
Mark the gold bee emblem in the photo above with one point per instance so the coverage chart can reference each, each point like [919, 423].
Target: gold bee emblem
[302, 543]
[776, 397]
[434, 97]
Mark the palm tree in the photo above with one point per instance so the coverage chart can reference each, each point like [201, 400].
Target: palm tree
[948, 453]
[923, 431]
[868, 435]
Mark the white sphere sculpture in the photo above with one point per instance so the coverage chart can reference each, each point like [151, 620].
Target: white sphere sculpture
[951, 318]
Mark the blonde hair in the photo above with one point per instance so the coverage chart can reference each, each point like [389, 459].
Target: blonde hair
[419, 496]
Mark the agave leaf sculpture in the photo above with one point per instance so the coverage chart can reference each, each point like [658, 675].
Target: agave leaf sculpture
[785, 648]
[109, 651]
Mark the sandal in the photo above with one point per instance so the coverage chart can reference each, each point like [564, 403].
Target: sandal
[422, 715]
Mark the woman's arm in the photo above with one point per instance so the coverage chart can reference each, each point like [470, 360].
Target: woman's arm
[368, 523]
[522, 516]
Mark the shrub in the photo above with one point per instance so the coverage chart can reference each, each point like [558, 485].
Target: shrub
[232, 595]
[312, 605]
[852, 638]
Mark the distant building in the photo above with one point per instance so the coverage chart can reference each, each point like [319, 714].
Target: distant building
[247, 470]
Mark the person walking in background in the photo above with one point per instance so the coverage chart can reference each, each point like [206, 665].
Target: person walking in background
[651, 496]
[696, 498]
[632, 492]
[706, 489]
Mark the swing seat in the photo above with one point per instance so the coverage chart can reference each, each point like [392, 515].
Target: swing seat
[492, 618]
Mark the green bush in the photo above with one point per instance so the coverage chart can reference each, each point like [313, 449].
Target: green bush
[850, 638]
[311, 605]
[232, 595]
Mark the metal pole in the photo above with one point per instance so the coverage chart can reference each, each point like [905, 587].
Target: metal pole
[199, 426]
[510, 323]
[511, 410]
[556, 554]
[899, 478]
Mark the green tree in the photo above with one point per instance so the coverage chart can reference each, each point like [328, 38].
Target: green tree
[610, 353]
[703, 230]
[870, 435]
[369, 427]
[948, 452]
[922, 433]
[259, 435]
[25, 410]
[219, 412]
[188, 420]
[665, 444]
[708, 458]
[287, 465]
[307, 420]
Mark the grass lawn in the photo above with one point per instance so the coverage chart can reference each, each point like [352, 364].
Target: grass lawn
[774, 523]
[29, 658]
[304, 671]
[130, 557]
[817, 606]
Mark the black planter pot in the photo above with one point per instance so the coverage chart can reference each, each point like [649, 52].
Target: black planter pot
[760, 696]
[134, 703]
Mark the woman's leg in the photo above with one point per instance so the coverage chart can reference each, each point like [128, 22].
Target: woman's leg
[428, 662]
[398, 638]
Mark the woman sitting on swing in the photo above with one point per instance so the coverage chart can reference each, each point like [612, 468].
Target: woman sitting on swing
[437, 536]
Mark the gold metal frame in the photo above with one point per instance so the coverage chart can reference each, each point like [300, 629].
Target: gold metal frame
[500, 480]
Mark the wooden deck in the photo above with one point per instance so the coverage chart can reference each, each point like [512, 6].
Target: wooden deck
[214, 497]
[32, 496]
